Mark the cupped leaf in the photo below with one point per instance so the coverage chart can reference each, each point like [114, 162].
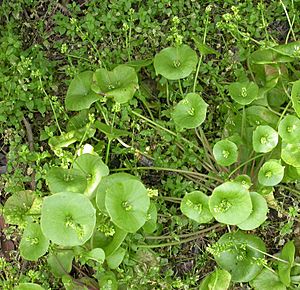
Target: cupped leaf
[217, 280]
[265, 139]
[243, 93]
[195, 206]
[33, 244]
[259, 115]
[244, 180]
[239, 255]
[151, 223]
[295, 96]
[225, 152]
[289, 129]
[190, 112]
[94, 168]
[106, 183]
[96, 254]
[290, 153]
[267, 280]
[175, 63]
[284, 269]
[28, 286]
[230, 203]
[61, 262]
[62, 179]
[120, 83]
[258, 214]
[68, 218]
[127, 203]
[79, 94]
[17, 206]
[271, 173]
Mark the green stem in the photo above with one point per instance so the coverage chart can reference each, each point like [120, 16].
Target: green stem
[180, 88]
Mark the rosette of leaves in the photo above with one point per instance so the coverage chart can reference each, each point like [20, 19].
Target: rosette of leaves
[271, 173]
[264, 139]
[230, 203]
[244, 93]
[175, 63]
[237, 253]
[33, 244]
[289, 129]
[119, 84]
[68, 218]
[195, 206]
[217, 280]
[258, 214]
[62, 179]
[190, 112]
[225, 152]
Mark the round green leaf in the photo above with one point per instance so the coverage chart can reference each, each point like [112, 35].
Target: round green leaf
[96, 254]
[267, 280]
[195, 206]
[106, 183]
[175, 63]
[28, 286]
[243, 93]
[244, 180]
[94, 168]
[265, 139]
[289, 129]
[120, 83]
[271, 173]
[190, 112]
[127, 203]
[79, 94]
[258, 214]
[239, 257]
[217, 280]
[68, 219]
[230, 203]
[62, 179]
[290, 153]
[33, 244]
[225, 152]
[259, 115]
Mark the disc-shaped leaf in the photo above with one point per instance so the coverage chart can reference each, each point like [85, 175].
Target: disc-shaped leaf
[258, 214]
[244, 180]
[290, 153]
[295, 96]
[28, 286]
[265, 139]
[33, 244]
[79, 94]
[195, 206]
[106, 183]
[267, 280]
[175, 63]
[60, 262]
[239, 257]
[259, 115]
[271, 173]
[289, 129]
[127, 203]
[120, 83]
[243, 93]
[94, 168]
[17, 206]
[217, 280]
[190, 112]
[230, 203]
[284, 269]
[62, 179]
[225, 152]
[67, 218]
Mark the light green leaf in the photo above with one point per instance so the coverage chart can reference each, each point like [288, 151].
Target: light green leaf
[265, 139]
[111, 133]
[289, 129]
[243, 93]
[60, 262]
[259, 115]
[96, 254]
[115, 259]
[267, 280]
[295, 95]
[284, 269]
[271, 173]
[203, 48]
[244, 180]
[28, 286]
[225, 152]
[150, 225]
[217, 280]
[290, 153]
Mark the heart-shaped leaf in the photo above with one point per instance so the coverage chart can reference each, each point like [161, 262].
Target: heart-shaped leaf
[33, 244]
[271, 173]
[230, 203]
[265, 139]
[79, 94]
[68, 218]
[243, 93]
[289, 129]
[127, 203]
[258, 214]
[175, 63]
[190, 112]
[195, 206]
[225, 152]
[239, 255]
[120, 83]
